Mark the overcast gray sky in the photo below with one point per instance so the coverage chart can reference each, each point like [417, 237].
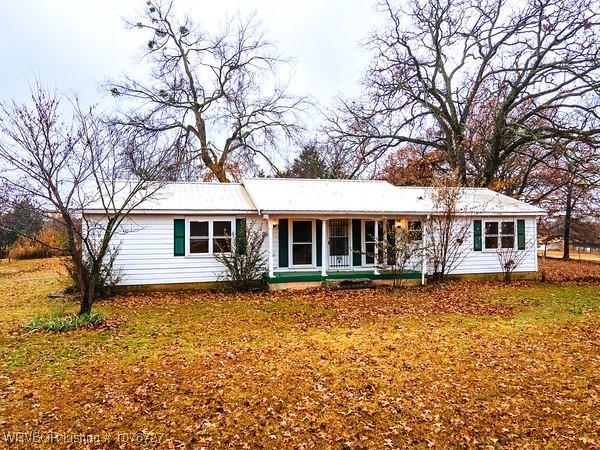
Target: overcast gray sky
[74, 45]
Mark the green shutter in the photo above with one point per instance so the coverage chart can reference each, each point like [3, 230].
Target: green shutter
[240, 235]
[356, 243]
[283, 242]
[319, 242]
[477, 235]
[179, 237]
[521, 234]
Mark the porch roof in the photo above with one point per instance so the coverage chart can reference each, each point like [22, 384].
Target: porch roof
[370, 197]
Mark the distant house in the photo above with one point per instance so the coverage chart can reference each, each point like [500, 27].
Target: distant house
[317, 230]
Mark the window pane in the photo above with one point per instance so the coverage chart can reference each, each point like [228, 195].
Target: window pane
[302, 231]
[301, 254]
[491, 242]
[221, 245]
[491, 228]
[221, 228]
[199, 228]
[369, 230]
[414, 225]
[508, 228]
[198, 245]
[414, 230]
[369, 253]
[508, 241]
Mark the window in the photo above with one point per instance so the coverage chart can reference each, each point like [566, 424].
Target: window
[221, 236]
[302, 242]
[199, 237]
[415, 230]
[371, 242]
[209, 236]
[507, 239]
[499, 235]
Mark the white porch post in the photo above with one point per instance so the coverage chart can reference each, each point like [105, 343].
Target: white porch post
[271, 263]
[424, 255]
[324, 257]
[376, 260]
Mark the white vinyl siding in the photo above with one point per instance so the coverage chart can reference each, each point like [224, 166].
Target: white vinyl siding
[146, 252]
[486, 261]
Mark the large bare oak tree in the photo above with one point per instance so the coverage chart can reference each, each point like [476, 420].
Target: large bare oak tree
[487, 83]
[216, 95]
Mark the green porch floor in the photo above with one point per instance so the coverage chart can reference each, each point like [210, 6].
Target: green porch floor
[292, 277]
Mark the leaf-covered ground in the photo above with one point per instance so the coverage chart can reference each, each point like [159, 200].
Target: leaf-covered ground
[463, 365]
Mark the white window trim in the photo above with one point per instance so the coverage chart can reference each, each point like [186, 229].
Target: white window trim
[408, 230]
[291, 244]
[210, 221]
[364, 241]
[499, 236]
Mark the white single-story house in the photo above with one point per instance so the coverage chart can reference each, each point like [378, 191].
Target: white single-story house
[316, 231]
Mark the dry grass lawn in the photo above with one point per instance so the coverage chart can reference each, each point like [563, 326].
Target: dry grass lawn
[463, 365]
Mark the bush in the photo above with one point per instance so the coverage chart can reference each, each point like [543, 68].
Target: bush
[107, 280]
[60, 320]
[53, 238]
[245, 265]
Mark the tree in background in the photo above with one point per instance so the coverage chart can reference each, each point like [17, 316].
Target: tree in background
[214, 96]
[66, 164]
[411, 165]
[21, 218]
[483, 83]
[318, 160]
[566, 185]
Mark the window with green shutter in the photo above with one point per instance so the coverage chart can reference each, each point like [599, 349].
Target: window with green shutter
[521, 234]
[179, 237]
[477, 235]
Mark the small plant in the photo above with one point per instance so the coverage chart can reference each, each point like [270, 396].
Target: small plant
[60, 320]
[245, 265]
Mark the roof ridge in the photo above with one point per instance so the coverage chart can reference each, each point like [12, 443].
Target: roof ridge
[337, 180]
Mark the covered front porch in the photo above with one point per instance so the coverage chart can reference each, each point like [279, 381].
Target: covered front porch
[328, 249]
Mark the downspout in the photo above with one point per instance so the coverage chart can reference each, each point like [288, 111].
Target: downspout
[424, 255]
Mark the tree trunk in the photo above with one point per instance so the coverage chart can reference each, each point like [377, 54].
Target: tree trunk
[85, 306]
[567, 223]
[88, 293]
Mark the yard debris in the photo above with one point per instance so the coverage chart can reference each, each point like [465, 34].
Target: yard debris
[456, 365]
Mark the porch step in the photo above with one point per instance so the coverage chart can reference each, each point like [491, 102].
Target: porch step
[351, 283]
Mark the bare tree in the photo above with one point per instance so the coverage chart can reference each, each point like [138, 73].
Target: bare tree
[68, 164]
[485, 83]
[215, 96]
[397, 248]
[510, 258]
[567, 186]
[246, 263]
[446, 230]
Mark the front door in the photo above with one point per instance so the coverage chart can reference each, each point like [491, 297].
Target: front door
[339, 244]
